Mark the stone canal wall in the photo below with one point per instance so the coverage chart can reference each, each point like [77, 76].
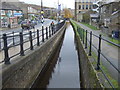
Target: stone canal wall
[88, 76]
[23, 71]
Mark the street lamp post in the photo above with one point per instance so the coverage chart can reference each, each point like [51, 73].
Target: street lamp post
[59, 11]
[42, 12]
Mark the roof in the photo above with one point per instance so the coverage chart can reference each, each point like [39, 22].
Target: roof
[7, 6]
[116, 12]
[108, 3]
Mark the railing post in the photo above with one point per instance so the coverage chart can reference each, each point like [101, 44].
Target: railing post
[38, 40]
[42, 33]
[57, 27]
[49, 31]
[13, 38]
[0, 43]
[34, 31]
[6, 58]
[52, 29]
[31, 41]
[21, 45]
[80, 33]
[46, 33]
[90, 43]
[83, 35]
[77, 29]
[99, 52]
[86, 40]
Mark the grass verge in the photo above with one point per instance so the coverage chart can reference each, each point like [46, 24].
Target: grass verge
[113, 81]
[114, 40]
[90, 26]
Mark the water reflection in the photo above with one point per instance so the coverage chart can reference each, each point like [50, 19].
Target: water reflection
[63, 71]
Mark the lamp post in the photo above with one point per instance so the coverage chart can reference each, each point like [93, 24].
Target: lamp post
[59, 11]
[42, 12]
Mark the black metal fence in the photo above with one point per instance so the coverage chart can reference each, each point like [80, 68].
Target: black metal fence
[22, 42]
[88, 42]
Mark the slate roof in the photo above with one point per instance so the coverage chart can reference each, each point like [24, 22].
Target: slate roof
[7, 6]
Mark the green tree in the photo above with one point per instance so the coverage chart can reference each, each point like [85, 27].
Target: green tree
[67, 13]
[86, 16]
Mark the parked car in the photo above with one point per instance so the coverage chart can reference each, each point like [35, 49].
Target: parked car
[35, 22]
[27, 24]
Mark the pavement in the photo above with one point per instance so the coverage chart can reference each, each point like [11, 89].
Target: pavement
[5, 29]
[110, 51]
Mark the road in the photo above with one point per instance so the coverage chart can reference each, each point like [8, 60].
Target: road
[16, 49]
[18, 30]
[111, 52]
[46, 23]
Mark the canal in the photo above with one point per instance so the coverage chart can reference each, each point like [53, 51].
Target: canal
[63, 70]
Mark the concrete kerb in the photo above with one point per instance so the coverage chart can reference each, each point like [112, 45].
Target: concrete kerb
[20, 64]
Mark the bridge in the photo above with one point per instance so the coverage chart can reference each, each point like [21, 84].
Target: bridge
[57, 56]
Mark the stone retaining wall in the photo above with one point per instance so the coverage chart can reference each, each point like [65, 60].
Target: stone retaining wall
[23, 71]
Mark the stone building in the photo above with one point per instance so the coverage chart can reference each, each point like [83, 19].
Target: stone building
[110, 17]
[10, 15]
[82, 6]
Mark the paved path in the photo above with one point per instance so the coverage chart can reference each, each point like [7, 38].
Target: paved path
[111, 52]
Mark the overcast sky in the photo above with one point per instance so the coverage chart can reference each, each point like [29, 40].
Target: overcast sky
[52, 3]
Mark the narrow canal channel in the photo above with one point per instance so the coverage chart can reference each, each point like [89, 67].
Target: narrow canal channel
[63, 71]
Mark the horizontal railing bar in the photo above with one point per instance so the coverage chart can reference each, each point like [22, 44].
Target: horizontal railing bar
[94, 46]
[15, 55]
[111, 42]
[95, 35]
[26, 41]
[27, 49]
[2, 61]
[110, 62]
[106, 78]
[13, 45]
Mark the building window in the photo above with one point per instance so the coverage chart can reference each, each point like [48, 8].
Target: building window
[79, 11]
[79, 6]
[82, 6]
[86, 6]
[2, 12]
[90, 7]
[86, 1]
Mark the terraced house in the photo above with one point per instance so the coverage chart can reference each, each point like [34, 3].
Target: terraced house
[82, 6]
[11, 15]
[110, 17]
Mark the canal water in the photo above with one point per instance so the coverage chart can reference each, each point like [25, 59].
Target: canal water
[63, 71]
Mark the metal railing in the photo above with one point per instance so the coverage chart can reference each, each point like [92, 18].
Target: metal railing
[89, 40]
[31, 39]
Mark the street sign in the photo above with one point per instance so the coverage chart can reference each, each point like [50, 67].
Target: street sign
[18, 14]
